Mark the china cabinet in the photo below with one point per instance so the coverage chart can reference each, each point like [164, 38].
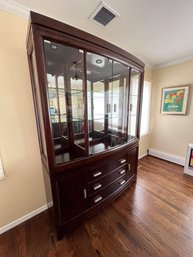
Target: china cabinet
[87, 98]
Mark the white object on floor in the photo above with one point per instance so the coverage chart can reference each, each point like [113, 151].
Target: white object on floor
[187, 169]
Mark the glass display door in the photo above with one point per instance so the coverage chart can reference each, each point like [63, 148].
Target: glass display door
[133, 103]
[107, 81]
[66, 99]
[92, 101]
[118, 104]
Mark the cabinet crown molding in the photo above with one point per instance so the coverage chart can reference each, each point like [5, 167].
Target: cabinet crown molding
[15, 8]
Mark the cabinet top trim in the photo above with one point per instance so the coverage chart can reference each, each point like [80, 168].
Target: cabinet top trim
[47, 22]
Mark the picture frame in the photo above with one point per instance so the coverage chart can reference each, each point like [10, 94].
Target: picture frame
[174, 100]
[191, 159]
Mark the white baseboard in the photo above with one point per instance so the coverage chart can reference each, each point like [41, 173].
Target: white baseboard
[167, 157]
[24, 218]
[142, 155]
[50, 204]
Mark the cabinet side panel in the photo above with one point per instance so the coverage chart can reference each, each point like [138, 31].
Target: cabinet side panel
[37, 106]
[47, 185]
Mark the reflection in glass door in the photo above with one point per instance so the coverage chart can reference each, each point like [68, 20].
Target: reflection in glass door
[133, 103]
[107, 82]
[99, 69]
[105, 123]
[118, 99]
[64, 69]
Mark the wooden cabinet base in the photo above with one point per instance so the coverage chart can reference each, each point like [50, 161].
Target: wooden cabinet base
[73, 223]
[78, 195]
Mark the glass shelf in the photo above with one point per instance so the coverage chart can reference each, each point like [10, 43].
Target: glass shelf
[107, 121]
[98, 118]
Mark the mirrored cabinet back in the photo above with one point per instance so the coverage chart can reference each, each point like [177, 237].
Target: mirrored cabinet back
[87, 99]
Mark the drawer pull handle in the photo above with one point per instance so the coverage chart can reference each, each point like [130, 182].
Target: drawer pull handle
[122, 172]
[98, 199]
[122, 161]
[122, 182]
[85, 193]
[97, 186]
[97, 173]
[129, 166]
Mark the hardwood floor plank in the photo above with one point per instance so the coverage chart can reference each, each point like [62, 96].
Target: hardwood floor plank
[153, 218]
[103, 238]
[79, 243]
[150, 236]
[131, 233]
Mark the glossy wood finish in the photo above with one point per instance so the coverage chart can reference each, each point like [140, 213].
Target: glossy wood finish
[73, 191]
[69, 160]
[106, 180]
[154, 218]
[42, 28]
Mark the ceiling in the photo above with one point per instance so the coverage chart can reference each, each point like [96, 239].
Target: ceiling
[159, 32]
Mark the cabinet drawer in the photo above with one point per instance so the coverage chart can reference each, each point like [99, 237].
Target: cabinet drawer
[100, 196]
[117, 162]
[97, 173]
[100, 183]
[106, 167]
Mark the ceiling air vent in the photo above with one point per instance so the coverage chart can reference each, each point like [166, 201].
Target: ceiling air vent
[103, 14]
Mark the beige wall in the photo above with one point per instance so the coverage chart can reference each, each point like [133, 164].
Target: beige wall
[23, 190]
[172, 133]
[144, 142]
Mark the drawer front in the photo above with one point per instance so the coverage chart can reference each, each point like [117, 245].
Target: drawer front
[117, 161]
[100, 183]
[100, 196]
[98, 172]
[106, 167]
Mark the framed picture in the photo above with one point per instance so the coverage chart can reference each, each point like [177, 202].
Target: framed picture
[191, 159]
[174, 100]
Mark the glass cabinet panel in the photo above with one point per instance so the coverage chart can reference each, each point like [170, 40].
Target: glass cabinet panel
[77, 103]
[64, 71]
[118, 98]
[99, 70]
[133, 103]
[107, 101]
[107, 122]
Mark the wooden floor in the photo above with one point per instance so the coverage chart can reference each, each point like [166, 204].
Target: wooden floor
[153, 218]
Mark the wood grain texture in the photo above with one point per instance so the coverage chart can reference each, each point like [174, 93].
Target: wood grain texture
[154, 217]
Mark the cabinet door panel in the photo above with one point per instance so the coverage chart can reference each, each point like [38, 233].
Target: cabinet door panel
[132, 162]
[72, 196]
[64, 82]
[134, 104]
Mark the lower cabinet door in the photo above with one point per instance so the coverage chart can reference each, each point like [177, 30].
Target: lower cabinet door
[72, 197]
[132, 162]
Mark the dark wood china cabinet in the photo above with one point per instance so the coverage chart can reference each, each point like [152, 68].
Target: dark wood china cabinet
[87, 98]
